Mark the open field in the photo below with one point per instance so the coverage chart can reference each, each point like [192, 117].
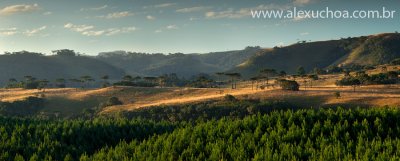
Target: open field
[71, 101]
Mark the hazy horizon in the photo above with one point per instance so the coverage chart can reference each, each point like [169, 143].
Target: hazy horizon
[92, 27]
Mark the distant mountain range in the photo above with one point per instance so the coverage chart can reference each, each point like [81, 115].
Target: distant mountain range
[365, 50]
[18, 65]
[184, 65]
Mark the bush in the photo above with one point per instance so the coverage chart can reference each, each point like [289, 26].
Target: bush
[112, 102]
[230, 98]
[26, 107]
[337, 95]
[395, 61]
[31, 85]
[288, 85]
[348, 81]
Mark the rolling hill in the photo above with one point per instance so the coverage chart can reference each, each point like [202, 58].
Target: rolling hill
[18, 65]
[365, 50]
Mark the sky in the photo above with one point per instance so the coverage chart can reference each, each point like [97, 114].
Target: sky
[187, 26]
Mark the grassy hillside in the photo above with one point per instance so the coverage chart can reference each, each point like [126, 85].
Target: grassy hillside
[18, 65]
[182, 64]
[366, 50]
[373, 50]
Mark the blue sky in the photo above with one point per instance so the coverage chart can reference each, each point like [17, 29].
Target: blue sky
[188, 26]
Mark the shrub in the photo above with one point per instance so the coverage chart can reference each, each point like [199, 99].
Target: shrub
[230, 98]
[288, 85]
[395, 61]
[31, 85]
[337, 95]
[112, 101]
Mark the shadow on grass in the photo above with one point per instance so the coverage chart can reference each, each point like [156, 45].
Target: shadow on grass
[65, 107]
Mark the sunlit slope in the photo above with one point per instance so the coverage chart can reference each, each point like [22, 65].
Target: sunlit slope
[366, 50]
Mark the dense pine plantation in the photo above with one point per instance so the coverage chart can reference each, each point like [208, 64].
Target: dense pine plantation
[304, 134]
[32, 139]
[360, 134]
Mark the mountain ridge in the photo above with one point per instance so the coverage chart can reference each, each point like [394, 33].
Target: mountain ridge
[363, 51]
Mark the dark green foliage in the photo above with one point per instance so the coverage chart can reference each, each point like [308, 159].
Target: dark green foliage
[113, 101]
[337, 95]
[199, 81]
[301, 71]
[31, 85]
[26, 107]
[362, 78]
[232, 108]
[223, 131]
[395, 61]
[64, 52]
[313, 77]
[334, 69]
[230, 98]
[288, 84]
[323, 134]
[348, 81]
[68, 140]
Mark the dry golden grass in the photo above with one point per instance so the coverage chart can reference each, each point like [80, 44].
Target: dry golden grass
[71, 101]
[182, 96]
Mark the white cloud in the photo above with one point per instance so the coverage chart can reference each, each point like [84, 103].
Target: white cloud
[301, 2]
[13, 31]
[172, 27]
[20, 8]
[33, 32]
[89, 30]
[8, 31]
[304, 33]
[193, 9]
[243, 12]
[169, 27]
[94, 8]
[93, 33]
[163, 5]
[78, 28]
[114, 31]
[47, 13]
[149, 17]
[117, 15]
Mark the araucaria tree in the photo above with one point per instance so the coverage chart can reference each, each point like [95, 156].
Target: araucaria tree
[267, 73]
[234, 77]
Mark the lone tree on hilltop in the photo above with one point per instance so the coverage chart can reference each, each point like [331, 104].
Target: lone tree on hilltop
[64, 52]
